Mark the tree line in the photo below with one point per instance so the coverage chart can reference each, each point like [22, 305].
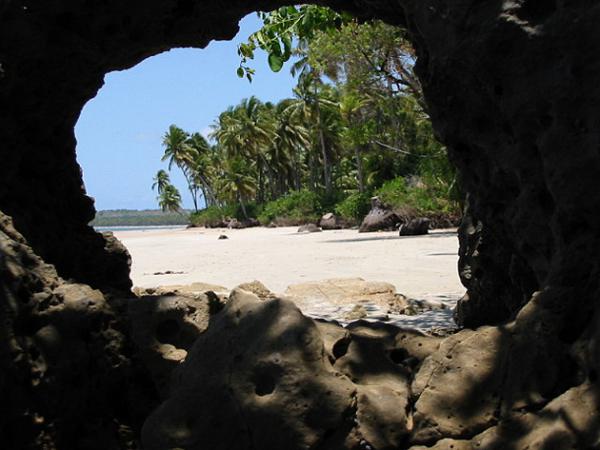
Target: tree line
[355, 122]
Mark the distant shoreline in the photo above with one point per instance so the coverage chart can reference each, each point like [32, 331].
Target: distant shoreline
[114, 228]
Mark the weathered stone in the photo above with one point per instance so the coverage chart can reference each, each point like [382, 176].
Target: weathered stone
[309, 228]
[380, 218]
[330, 221]
[512, 89]
[343, 291]
[182, 289]
[446, 406]
[493, 293]
[164, 329]
[255, 361]
[65, 361]
[415, 227]
[258, 289]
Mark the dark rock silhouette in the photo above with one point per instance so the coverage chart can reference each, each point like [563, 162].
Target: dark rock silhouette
[512, 89]
[415, 227]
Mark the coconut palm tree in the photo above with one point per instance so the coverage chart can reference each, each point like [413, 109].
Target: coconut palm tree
[170, 199]
[236, 183]
[351, 107]
[161, 181]
[292, 138]
[178, 151]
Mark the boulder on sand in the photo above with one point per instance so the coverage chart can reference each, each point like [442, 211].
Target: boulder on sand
[309, 228]
[415, 227]
[380, 218]
[330, 221]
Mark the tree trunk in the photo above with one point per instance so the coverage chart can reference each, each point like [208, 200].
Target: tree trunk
[241, 200]
[326, 169]
[359, 169]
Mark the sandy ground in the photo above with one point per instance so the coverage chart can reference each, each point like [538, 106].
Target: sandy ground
[421, 267]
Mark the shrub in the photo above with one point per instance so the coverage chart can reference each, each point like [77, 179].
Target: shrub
[211, 217]
[354, 207]
[296, 207]
[215, 216]
[421, 198]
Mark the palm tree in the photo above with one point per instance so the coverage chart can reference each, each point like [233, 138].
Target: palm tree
[161, 181]
[292, 137]
[170, 199]
[200, 166]
[351, 110]
[236, 183]
[178, 151]
[311, 100]
[247, 131]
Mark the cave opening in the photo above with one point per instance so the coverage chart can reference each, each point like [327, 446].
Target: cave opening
[494, 73]
[122, 147]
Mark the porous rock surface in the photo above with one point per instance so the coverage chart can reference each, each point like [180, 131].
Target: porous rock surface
[265, 376]
[512, 89]
[67, 375]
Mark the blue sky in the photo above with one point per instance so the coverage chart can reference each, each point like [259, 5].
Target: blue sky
[119, 131]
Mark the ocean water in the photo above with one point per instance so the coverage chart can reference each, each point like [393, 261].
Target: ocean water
[140, 228]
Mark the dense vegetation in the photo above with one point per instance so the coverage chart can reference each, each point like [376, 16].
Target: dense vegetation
[356, 125]
[149, 217]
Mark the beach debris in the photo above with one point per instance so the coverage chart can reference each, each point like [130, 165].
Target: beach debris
[223, 236]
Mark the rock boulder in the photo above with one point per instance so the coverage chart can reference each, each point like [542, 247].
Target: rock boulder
[380, 218]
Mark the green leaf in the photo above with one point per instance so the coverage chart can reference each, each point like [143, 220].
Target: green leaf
[287, 46]
[240, 72]
[275, 62]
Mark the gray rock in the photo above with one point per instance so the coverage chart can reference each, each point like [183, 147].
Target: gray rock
[380, 218]
[415, 227]
[309, 228]
[330, 221]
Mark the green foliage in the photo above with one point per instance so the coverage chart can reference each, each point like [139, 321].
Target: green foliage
[170, 199]
[356, 125]
[280, 28]
[296, 207]
[418, 197]
[354, 207]
[212, 216]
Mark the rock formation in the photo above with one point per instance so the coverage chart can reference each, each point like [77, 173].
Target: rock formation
[512, 89]
[330, 221]
[380, 218]
[415, 227]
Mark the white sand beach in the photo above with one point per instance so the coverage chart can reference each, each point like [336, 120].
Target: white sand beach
[419, 267]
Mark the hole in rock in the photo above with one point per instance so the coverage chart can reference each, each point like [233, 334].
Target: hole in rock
[167, 331]
[340, 348]
[265, 379]
[399, 355]
[181, 141]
